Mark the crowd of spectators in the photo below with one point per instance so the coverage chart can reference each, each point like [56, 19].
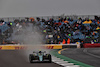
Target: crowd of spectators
[5, 30]
[63, 30]
[66, 30]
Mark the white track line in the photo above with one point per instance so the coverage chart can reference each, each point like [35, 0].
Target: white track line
[85, 51]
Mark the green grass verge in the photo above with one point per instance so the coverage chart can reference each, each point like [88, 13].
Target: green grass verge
[55, 53]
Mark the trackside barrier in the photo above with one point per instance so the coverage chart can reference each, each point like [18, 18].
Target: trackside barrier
[52, 46]
[89, 45]
[61, 46]
[12, 47]
[48, 46]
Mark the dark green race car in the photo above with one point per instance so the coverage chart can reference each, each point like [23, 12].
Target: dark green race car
[40, 57]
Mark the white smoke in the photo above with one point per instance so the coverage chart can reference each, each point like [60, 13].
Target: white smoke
[29, 35]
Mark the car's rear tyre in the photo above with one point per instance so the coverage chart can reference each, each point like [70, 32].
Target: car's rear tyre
[50, 59]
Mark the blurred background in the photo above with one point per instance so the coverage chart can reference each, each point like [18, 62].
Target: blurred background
[25, 8]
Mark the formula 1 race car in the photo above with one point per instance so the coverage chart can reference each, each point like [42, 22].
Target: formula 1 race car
[40, 57]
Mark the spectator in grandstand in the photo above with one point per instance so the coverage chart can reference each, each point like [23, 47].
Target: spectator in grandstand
[1, 22]
[0, 37]
[27, 19]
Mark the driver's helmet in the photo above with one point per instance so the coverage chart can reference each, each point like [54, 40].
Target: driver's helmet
[40, 51]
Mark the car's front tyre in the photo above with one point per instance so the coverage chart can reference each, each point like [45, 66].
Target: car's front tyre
[30, 58]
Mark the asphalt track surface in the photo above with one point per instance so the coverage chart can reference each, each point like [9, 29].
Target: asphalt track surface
[18, 58]
[90, 56]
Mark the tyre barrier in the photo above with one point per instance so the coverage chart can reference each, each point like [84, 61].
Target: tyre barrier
[48, 46]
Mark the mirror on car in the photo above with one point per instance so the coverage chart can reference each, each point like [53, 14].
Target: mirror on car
[33, 52]
[44, 51]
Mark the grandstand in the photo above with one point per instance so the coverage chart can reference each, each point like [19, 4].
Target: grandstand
[57, 29]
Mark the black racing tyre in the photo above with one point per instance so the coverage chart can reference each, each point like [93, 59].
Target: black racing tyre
[30, 58]
[50, 59]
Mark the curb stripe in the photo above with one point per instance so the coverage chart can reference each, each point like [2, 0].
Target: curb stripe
[55, 53]
[59, 52]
